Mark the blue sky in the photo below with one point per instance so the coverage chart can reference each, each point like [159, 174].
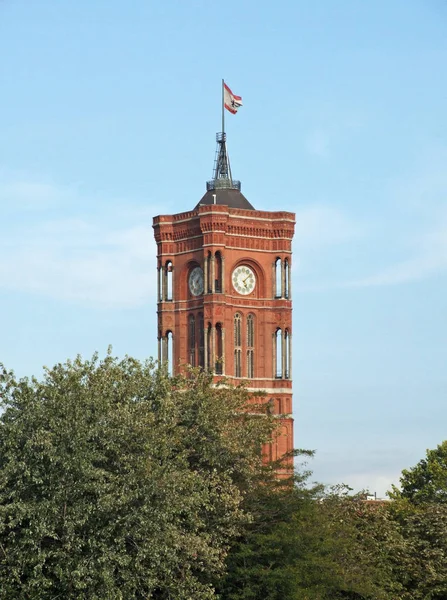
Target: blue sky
[108, 115]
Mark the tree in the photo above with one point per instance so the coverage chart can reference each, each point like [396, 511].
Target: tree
[368, 546]
[420, 510]
[427, 481]
[307, 543]
[119, 482]
[423, 570]
[277, 546]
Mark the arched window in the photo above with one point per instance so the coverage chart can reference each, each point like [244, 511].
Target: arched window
[237, 330]
[201, 340]
[209, 274]
[278, 353]
[170, 352]
[250, 331]
[192, 340]
[219, 350]
[218, 273]
[250, 346]
[238, 345]
[168, 281]
[209, 347]
[278, 278]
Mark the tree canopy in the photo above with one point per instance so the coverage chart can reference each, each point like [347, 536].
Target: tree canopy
[119, 482]
[427, 481]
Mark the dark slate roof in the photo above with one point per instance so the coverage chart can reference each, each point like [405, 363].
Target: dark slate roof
[226, 197]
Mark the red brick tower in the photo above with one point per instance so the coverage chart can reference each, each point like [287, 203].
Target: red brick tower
[224, 294]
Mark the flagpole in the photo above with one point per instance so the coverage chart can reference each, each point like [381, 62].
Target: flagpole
[223, 108]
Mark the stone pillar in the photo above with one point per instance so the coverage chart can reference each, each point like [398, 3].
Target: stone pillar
[289, 278]
[164, 349]
[164, 283]
[290, 355]
[205, 346]
[283, 278]
[274, 279]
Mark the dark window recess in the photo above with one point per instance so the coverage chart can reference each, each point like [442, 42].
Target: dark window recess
[218, 367]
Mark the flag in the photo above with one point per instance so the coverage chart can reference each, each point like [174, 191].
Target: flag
[231, 102]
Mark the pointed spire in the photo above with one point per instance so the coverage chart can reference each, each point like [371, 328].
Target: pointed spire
[222, 178]
[222, 169]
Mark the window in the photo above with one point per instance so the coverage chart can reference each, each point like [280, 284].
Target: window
[250, 331]
[168, 275]
[250, 346]
[218, 273]
[278, 353]
[250, 364]
[209, 344]
[237, 330]
[201, 340]
[287, 278]
[219, 350]
[278, 278]
[238, 345]
[192, 340]
[170, 352]
[237, 363]
[209, 275]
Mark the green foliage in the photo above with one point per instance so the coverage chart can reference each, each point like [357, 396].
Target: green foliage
[306, 544]
[420, 509]
[423, 570]
[427, 481]
[368, 546]
[263, 563]
[118, 482]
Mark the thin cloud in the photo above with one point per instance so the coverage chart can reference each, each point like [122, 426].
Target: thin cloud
[100, 261]
[32, 195]
[374, 483]
[83, 263]
[430, 259]
[322, 226]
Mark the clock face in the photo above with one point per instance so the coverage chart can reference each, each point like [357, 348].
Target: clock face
[244, 280]
[195, 281]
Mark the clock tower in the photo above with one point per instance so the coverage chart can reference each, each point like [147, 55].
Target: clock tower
[224, 293]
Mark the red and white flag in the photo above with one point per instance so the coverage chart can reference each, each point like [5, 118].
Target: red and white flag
[231, 102]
